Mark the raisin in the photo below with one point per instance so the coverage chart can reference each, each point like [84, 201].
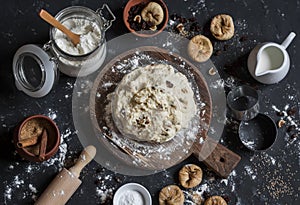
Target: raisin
[174, 17]
[206, 195]
[97, 181]
[195, 27]
[243, 38]
[182, 20]
[291, 128]
[218, 52]
[226, 46]
[118, 179]
[292, 111]
[192, 19]
[293, 136]
[144, 25]
[280, 113]
[226, 198]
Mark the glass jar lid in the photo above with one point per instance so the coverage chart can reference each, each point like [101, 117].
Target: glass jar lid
[35, 70]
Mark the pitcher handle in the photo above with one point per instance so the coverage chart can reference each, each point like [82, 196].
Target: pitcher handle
[288, 40]
[107, 22]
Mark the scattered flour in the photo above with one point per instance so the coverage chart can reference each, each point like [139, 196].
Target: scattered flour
[51, 114]
[21, 181]
[10, 188]
[103, 191]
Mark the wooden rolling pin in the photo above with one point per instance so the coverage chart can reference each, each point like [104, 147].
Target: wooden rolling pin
[60, 190]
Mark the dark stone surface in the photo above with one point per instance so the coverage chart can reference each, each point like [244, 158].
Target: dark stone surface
[270, 177]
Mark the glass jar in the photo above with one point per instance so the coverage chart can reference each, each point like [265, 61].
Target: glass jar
[35, 70]
[35, 67]
[83, 63]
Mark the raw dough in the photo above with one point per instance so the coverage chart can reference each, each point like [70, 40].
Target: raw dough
[171, 195]
[222, 27]
[190, 176]
[200, 48]
[215, 200]
[153, 103]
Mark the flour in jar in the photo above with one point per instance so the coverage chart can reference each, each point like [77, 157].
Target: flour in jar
[90, 36]
[153, 103]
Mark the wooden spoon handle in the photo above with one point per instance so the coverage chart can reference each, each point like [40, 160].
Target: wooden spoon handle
[85, 157]
[51, 20]
[217, 157]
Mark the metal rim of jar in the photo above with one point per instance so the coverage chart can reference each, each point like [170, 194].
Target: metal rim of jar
[77, 11]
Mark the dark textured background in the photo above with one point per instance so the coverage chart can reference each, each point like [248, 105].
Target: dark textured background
[271, 177]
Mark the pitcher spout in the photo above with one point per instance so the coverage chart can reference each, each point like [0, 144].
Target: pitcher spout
[259, 69]
[258, 72]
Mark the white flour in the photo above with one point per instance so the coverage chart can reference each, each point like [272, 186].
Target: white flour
[103, 191]
[90, 36]
[131, 197]
[17, 183]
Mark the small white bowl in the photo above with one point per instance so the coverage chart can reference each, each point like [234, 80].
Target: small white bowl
[130, 191]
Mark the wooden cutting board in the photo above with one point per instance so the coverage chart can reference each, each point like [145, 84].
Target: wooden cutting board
[165, 155]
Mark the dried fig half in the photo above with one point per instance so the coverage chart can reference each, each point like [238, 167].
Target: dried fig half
[171, 195]
[215, 200]
[190, 176]
[153, 13]
[222, 27]
[200, 48]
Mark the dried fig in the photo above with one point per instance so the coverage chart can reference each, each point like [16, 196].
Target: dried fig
[190, 176]
[153, 13]
[171, 195]
[200, 48]
[215, 200]
[222, 27]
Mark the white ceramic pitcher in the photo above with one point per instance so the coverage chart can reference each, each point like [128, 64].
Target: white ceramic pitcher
[269, 62]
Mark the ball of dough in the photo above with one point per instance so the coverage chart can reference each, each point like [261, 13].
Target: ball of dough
[190, 176]
[171, 195]
[222, 27]
[200, 48]
[215, 200]
[153, 103]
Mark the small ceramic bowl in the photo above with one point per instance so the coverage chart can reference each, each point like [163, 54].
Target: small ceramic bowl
[28, 138]
[145, 33]
[137, 193]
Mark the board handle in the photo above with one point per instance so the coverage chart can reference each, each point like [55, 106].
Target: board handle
[85, 157]
[215, 156]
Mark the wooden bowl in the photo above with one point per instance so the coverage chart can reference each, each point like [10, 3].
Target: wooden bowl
[37, 123]
[145, 33]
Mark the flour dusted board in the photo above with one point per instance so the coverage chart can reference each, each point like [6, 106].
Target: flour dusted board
[152, 156]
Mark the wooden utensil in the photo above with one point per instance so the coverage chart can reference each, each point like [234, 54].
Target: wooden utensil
[75, 38]
[217, 157]
[66, 182]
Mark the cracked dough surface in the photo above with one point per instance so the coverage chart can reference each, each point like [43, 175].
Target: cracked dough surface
[153, 103]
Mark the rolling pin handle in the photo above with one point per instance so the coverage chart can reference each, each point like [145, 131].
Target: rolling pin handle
[85, 157]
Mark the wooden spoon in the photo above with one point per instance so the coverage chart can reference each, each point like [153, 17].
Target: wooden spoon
[75, 38]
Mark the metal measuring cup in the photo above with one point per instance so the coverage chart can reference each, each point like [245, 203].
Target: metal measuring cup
[257, 131]
[243, 102]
